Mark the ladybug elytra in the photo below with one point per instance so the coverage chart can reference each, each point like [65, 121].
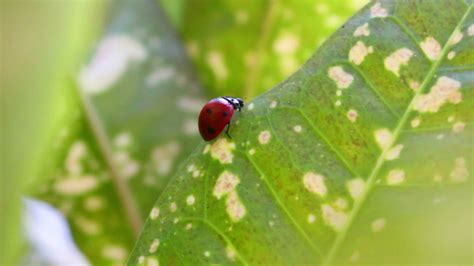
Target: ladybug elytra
[216, 115]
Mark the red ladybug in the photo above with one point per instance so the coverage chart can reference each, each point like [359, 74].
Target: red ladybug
[216, 114]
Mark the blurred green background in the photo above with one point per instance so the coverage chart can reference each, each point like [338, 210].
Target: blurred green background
[45, 43]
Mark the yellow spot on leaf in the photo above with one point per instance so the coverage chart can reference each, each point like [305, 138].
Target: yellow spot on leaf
[431, 48]
[396, 59]
[445, 90]
[342, 79]
[358, 52]
[222, 150]
[315, 183]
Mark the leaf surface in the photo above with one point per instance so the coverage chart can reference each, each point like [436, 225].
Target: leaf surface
[122, 136]
[364, 155]
[242, 48]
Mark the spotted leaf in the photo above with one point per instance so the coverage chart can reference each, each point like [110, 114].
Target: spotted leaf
[363, 156]
[123, 133]
[272, 39]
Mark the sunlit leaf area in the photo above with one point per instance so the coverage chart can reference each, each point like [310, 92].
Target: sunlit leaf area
[354, 144]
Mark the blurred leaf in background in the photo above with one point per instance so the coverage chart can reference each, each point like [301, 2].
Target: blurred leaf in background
[243, 48]
[363, 156]
[41, 42]
[123, 135]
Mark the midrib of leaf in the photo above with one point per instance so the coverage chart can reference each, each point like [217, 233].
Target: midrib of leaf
[254, 69]
[124, 194]
[379, 163]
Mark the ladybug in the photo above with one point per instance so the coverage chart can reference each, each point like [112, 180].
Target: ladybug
[216, 115]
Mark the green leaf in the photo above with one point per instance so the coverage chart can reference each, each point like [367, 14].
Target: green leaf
[124, 134]
[363, 156]
[270, 39]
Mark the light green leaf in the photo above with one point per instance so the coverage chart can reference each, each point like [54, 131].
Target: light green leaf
[242, 48]
[123, 136]
[363, 156]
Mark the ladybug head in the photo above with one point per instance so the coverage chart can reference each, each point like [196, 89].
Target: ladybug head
[236, 102]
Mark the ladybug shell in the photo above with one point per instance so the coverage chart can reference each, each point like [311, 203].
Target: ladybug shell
[214, 117]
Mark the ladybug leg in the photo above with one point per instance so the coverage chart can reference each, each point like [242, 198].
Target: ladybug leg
[227, 131]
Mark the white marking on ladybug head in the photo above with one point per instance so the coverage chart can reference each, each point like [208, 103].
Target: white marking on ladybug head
[352, 115]
[112, 58]
[163, 157]
[362, 30]
[378, 11]
[297, 128]
[221, 150]
[358, 52]
[395, 177]
[394, 152]
[383, 137]
[123, 140]
[396, 59]
[458, 127]
[451, 55]
[286, 43]
[114, 252]
[459, 172]
[457, 37]
[76, 185]
[445, 90]
[230, 253]
[173, 207]
[314, 183]
[356, 188]
[431, 48]
[470, 30]
[378, 224]
[273, 104]
[215, 60]
[154, 245]
[342, 79]
[311, 218]
[264, 137]
[190, 200]
[415, 122]
[334, 218]
[241, 17]
[226, 182]
[155, 212]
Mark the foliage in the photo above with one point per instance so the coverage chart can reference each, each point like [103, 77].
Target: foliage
[363, 155]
